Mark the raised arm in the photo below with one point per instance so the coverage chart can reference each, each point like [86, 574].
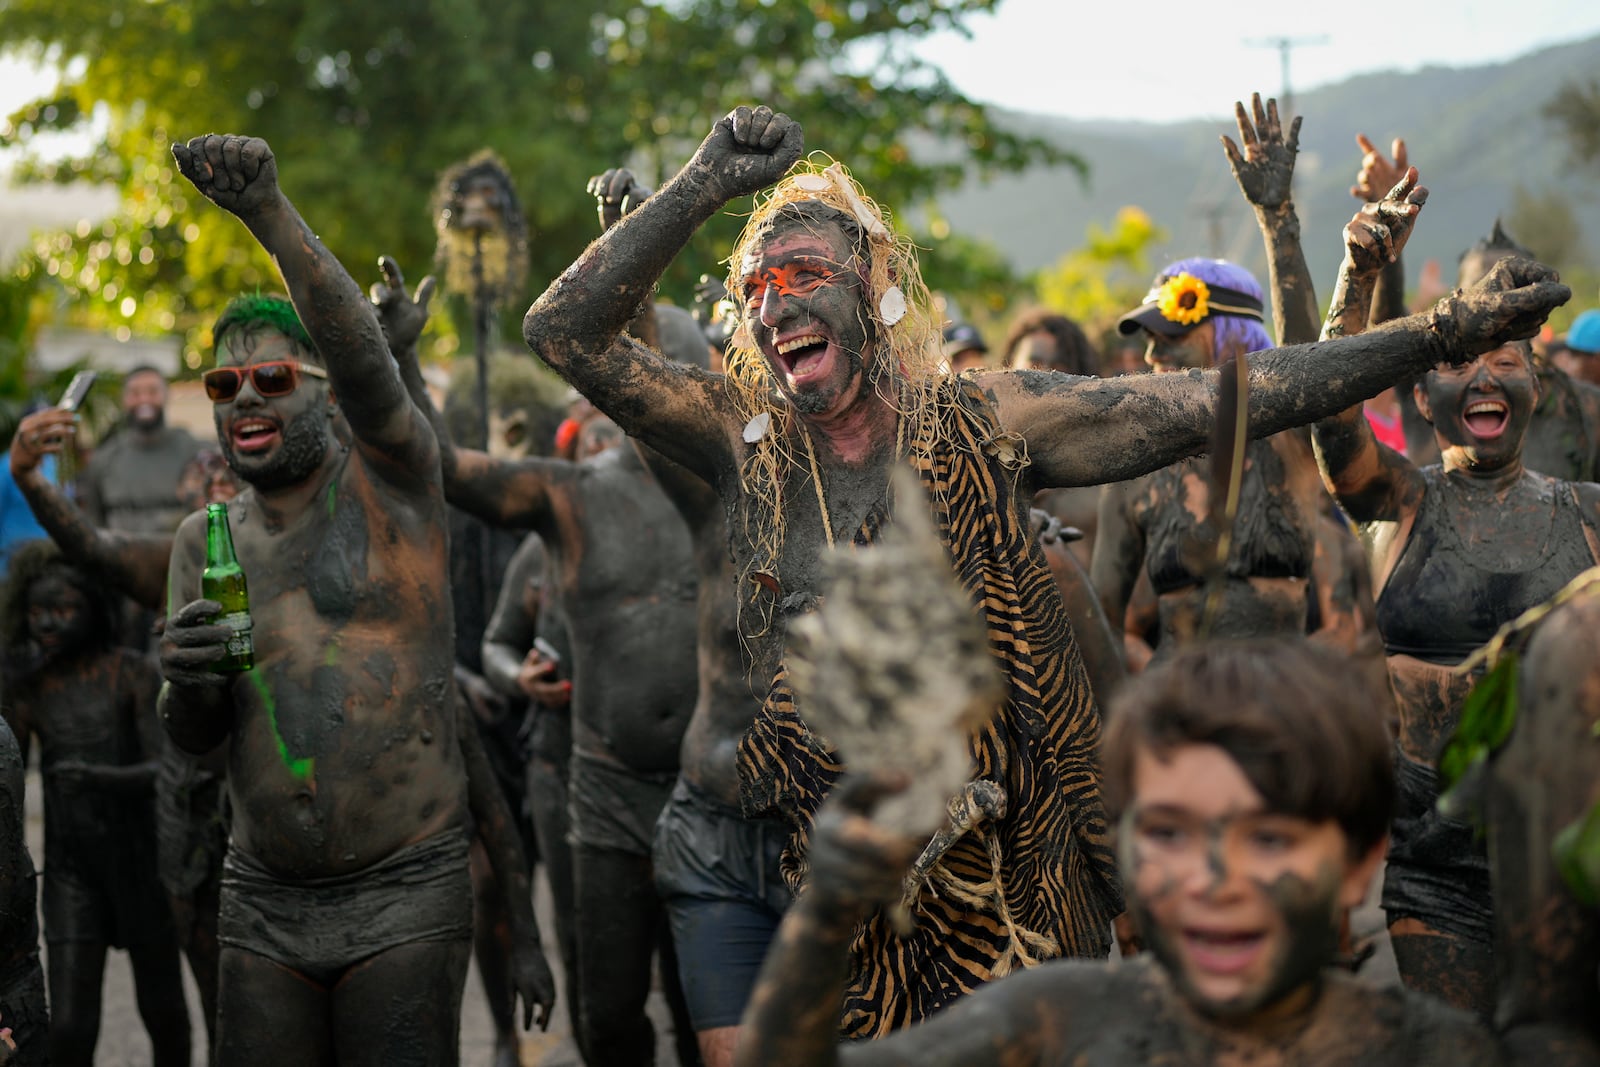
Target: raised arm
[501, 492]
[1264, 170]
[1083, 431]
[1372, 482]
[240, 175]
[577, 325]
[135, 564]
[1376, 177]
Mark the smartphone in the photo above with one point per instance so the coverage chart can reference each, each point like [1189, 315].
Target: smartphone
[547, 650]
[77, 389]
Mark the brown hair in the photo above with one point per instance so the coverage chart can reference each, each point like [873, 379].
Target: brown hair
[1074, 353]
[1288, 712]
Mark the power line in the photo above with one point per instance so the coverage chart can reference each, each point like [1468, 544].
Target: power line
[1285, 45]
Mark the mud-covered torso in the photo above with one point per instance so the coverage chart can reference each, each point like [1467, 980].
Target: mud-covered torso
[769, 596]
[624, 573]
[86, 710]
[1274, 541]
[344, 748]
[1473, 561]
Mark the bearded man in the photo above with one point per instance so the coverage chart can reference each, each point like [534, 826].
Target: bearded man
[346, 913]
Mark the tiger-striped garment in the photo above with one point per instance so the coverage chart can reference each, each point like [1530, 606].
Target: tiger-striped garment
[1040, 883]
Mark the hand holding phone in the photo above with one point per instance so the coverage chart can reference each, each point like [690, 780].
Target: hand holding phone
[77, 390]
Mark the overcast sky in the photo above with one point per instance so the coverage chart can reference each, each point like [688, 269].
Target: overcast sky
[1161, 59]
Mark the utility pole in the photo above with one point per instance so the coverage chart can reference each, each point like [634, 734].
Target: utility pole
[1285, 45]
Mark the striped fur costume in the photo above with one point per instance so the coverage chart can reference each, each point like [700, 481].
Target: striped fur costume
[1042, 881]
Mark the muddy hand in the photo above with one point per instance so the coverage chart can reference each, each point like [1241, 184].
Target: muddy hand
[1378, 234]
[747, 150]
[235, 173]
[617, 192]
[401, 315]
[532, 981]
[856, 864]
[1509, 304]
[1378, 175]
[45, 432]
[191, 642]
[1265, 167]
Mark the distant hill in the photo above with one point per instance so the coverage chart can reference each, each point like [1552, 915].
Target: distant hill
[1474, 134]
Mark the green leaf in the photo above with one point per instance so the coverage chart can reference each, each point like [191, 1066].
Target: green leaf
[1577, 852]
[1487, 716]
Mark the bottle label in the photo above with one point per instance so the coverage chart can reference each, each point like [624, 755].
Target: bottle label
[239, 641]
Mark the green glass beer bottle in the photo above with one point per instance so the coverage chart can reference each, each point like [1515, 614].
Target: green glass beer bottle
[223, 581]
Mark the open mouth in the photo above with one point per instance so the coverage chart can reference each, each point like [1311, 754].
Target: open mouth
[1223, 951]
[1486, 419]
[803, 357]
[252, 436]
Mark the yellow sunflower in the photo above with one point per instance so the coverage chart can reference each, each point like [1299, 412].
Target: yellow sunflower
[1183, 299]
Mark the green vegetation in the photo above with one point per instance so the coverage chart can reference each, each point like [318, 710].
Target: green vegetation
[366, 102]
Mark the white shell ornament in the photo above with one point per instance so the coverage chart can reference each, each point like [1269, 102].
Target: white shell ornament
[892, 308]
[812, 183]
[741, 337]
[757, 428]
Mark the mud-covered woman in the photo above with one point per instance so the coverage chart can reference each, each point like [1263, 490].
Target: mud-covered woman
[1458, 548]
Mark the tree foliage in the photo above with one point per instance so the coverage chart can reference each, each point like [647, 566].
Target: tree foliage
[1094, 285]
[365, 103]
[1576, 110]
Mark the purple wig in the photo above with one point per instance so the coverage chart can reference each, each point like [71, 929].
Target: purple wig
[1233, 334]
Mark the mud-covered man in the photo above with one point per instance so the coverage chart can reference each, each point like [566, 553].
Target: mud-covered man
[345, 763]
[834, 381]
[623, 583]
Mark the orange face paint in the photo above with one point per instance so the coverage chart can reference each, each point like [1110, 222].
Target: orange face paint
[790, 279]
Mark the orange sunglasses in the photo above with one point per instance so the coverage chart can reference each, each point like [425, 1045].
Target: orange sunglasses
[278, 377]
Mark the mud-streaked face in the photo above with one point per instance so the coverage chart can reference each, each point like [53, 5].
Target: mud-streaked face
[271, 441]
[1190, 350]
[1481, 410]
[805, 307]
[58, 614]
[1240, 904]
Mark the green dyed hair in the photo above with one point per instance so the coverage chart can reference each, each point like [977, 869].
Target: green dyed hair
[252, 313]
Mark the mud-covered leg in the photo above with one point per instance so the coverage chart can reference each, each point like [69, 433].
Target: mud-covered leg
[262, 1006]
[616, 904]
[158, 987]
[76, 969]
[402, 1007]
[195, 916]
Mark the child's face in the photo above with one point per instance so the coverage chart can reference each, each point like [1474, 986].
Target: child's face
[58, 615]
[1241, 905]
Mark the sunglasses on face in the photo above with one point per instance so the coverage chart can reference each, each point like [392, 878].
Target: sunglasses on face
[791, 279]
[279, 377]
